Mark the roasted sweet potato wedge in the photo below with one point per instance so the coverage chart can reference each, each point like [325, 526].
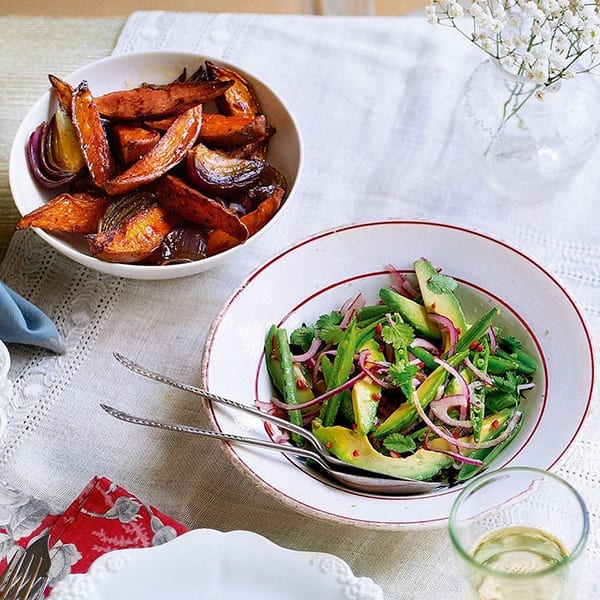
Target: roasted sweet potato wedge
[140, 234]
[239, 98]
[71, 213]
[214, 172]
[91, 135]
[156, 101]
[175, 195]
[226, 132]
[63, 91]
[171, 148]
[219, 241]
[133, 141]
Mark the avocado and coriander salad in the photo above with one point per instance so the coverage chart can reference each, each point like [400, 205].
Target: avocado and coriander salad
[407, 387]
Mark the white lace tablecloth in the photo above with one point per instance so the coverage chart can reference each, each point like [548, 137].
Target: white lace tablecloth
[374, 99]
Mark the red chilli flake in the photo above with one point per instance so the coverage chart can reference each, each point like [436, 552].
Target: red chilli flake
[376, 395]
[378, 328]
[495, 424]
[355, 453]
[328, 445]
[301, 385]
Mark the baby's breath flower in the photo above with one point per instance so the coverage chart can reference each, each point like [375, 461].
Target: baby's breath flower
[535, 38]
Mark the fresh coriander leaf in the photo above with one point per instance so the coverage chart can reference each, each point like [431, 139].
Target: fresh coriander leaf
[442, 284]
[512, 343]
[401, 375]
[508, 383]
[400, 335]
[331, 334]
[399, 443]
[333, 318]
[303, 337]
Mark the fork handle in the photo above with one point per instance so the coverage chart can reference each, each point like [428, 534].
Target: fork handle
[282, 423]
[229, 437]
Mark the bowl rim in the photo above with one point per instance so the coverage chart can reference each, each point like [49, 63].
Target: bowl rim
[142, 271]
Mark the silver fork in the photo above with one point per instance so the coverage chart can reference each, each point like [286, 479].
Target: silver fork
[26, 574]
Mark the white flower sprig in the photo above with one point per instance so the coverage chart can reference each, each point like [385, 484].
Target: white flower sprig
[541, 40]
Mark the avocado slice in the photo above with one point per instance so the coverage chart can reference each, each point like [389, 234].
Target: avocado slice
[356, 449]
[440, 301]
[406, 414]
[412, 312]
[366, 393]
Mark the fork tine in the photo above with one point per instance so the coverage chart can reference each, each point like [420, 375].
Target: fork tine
[22, 579]
[12, 570]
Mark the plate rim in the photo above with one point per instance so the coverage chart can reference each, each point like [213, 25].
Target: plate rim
[334, 570]
[272, 491]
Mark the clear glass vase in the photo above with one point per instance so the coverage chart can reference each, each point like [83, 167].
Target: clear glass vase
[527, 139]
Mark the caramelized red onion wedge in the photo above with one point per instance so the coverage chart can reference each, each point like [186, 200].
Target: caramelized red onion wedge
[440, 409]
[446, 326]
[515, 418]
[183, 244]
[43, 172]
[215, 172]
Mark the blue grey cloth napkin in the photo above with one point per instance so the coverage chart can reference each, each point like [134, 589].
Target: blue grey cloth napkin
[23, 323]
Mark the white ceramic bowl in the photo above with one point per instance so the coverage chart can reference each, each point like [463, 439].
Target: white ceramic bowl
[317, 275]
[126, 71]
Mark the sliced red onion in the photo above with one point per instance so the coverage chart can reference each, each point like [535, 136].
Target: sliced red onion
[525, 386]
[310, 353]
[478, 373]
[350, 307]
[279, 436]
[440, 410]
[362, 363]
[400, 284]
[446, 326]
[319, 399]
[461, 380]
[493, 339]
[460, 443]
[423, 343]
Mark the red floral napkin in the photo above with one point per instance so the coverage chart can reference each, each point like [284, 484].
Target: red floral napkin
[104, 517]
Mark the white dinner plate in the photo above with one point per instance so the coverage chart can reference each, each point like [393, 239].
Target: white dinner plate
[317, 275]
[211, 565]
